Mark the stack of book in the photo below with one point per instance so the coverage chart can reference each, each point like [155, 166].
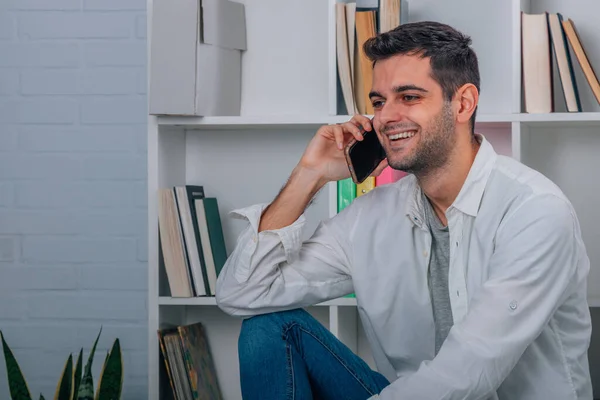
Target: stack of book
[543, 35]
[356, 22]
[347, 190]
[191, 240]
[188, 363]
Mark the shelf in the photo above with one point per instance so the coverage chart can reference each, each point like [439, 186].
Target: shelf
[342, 301]
[284, 121]
[211, 301]
[561, 119]
[251, 121]
[311, 122]
[594, 302]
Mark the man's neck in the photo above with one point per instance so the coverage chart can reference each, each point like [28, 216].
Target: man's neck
[443, 185]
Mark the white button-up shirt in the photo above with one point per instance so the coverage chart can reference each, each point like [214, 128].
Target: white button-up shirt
[517, 283]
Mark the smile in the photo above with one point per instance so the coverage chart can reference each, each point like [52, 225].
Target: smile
[403, 135]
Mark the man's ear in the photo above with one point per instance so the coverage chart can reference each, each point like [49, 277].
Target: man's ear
[467, 97]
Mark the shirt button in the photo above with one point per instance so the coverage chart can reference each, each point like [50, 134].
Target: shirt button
[254, 238]
[513, 305]
[425, 253]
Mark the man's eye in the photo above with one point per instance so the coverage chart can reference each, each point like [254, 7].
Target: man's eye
[377, 104]
[409, 97]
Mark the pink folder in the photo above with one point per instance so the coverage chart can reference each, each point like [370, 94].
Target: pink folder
[389, 175]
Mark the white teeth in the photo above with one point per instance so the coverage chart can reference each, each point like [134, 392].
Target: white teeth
[403, 135]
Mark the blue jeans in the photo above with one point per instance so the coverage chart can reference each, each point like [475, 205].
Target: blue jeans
[290, 355]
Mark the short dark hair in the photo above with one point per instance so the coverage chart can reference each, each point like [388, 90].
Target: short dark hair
[453, 61]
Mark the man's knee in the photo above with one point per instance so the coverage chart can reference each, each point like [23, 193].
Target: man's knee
[264, 333]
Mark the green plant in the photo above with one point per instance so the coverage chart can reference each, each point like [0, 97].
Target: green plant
[72, 384]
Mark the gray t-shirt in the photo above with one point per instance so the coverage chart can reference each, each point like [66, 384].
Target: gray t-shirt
[438, 275]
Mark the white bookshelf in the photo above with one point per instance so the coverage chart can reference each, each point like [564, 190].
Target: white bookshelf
[289, 90]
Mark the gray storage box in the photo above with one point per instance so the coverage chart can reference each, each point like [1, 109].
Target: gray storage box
[195, 57]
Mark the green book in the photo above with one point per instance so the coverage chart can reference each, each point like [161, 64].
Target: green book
[212, 240]
[215, 231]
[346, 192]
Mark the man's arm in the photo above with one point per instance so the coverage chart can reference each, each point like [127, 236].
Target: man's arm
[271, 268]
[531, 273]
[293, 199]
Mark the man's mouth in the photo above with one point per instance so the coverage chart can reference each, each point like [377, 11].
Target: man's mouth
[402, 135]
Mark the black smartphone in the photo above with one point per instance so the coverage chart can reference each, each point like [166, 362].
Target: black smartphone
[363, 156]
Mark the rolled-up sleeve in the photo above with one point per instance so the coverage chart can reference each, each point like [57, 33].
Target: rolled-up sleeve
[531, 273]
[275, 270]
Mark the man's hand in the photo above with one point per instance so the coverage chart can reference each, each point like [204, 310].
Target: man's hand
[324, 155]
[323, 161]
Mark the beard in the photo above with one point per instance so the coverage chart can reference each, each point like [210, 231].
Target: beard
[433, 149]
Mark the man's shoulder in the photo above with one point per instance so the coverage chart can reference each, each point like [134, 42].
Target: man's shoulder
[509, 173]
[514, 184]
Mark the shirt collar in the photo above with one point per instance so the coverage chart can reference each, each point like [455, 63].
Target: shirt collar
[470, 194]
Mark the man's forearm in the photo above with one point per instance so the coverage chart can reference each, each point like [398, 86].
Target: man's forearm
[292, 201]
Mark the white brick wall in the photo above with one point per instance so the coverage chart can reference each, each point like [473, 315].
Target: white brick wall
[73, 229]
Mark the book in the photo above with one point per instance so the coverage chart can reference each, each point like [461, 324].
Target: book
[346, 193]
[389, 15]
[343, 57]
[366, 186]
[536, 63]
[172, 245]
[188, 363]
[588, 70]
[185, 196]
[564, 63]
[199, 362]
[366, 28]
[389, 175]
[213, 241]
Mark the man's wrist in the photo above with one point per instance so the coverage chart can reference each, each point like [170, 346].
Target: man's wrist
[307, 178]
[302, 185]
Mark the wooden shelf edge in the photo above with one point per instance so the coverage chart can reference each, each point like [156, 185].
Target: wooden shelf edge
[304, 121]
[281, 121]
[560, 117]
[250, 121]
[211, 301]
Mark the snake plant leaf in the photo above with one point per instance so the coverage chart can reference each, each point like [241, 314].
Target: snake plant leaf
[110, 382]
[16, 382]
[42, 397]
[77, 376]
[86, 387]
[63, 390]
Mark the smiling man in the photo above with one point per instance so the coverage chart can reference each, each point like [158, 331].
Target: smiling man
[470, 274]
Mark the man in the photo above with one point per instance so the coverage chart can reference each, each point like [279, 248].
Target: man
[469, 273]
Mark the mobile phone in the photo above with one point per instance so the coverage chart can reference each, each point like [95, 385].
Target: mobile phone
[363, 156]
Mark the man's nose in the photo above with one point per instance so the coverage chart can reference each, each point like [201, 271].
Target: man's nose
[390, 113]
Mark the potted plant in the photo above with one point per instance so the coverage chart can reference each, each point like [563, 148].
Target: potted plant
[74, 384]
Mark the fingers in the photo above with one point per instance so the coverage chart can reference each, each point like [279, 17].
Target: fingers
[341, 131]
[362, 122]
[355, 128]
[338, 134]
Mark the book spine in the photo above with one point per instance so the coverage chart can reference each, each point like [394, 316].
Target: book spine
[346, 193]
